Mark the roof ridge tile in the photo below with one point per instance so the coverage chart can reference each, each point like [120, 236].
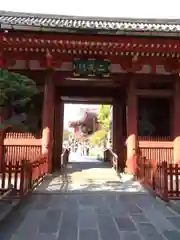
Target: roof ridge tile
[85, 23]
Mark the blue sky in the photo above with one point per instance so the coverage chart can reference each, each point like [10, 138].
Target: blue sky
[104, 8]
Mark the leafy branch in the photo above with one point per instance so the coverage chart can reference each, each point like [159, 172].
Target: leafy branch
[100, 137]
[15, 89]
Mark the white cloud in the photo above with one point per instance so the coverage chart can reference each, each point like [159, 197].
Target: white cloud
[104, 8]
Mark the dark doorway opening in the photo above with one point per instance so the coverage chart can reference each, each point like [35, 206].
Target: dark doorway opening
[154, 117]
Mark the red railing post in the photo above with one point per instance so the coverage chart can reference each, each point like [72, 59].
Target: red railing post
[153, 179]
[29, 176]
[165, 174]
[2, 149]
[177, 175]
[22, 176]
[143, 168]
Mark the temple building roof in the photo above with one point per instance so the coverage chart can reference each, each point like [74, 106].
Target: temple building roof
[85, 115]
[59, 23]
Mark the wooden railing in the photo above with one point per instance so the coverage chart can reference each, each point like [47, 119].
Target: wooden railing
[172, 172]
[163, 178]
[18, 153]
[155, 139]
[26, 135]
[22, 166]
[22, 176]
[39, 169]
[110, 156]
[4, 196]
[160, 182]
[145, 170]
[156, 150]
[18, 149]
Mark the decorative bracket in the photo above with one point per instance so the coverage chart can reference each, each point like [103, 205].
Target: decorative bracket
[131, 64]
[52, 62]
[49, 63]
[172, 65]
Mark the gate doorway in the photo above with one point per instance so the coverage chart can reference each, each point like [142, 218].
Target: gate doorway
[89, 92]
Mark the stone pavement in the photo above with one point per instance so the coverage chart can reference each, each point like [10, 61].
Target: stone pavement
[90, 202]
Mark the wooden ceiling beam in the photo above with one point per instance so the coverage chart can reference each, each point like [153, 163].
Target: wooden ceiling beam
[71, 54]
[75, 39]
[82, 42]
[58, 58]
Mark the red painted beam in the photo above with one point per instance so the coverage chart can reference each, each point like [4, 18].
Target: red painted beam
[83, 38]
[105, 43]
[58, 58]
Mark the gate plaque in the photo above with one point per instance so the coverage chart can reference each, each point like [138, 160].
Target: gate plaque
[91, 68]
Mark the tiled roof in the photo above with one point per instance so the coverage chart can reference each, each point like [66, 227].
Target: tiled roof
[39, 21]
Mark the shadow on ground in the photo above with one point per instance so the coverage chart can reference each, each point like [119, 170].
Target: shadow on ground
[90, 201]
[88, 177]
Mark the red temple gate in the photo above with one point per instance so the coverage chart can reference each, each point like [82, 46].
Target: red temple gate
[140, 67]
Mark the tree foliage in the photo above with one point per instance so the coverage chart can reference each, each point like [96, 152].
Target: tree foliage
[66, 134]
[15, 89]
[100, 136]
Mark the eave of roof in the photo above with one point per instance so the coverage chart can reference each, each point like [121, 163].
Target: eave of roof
[54, 23]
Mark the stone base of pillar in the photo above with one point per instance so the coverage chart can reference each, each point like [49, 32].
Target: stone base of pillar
[131, 154]
[177, 150]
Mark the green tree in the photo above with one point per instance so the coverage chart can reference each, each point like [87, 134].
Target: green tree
[16, 91]
[66, 135]
[100, 136]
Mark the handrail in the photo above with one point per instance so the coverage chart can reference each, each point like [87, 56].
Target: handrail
[112, 157]
[65, 157]
[23, 176]
[40, 158]
[32, 173]
[8, 192]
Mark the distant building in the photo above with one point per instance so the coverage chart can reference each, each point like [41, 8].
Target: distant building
[87, 122]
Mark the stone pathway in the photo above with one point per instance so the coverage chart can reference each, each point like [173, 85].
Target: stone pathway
[90, 202]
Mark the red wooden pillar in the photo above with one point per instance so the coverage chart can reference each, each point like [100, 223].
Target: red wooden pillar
[117, 136]
[48, 119]
[176, 121]
[58, 131]
[131, 127]
[1, 148]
